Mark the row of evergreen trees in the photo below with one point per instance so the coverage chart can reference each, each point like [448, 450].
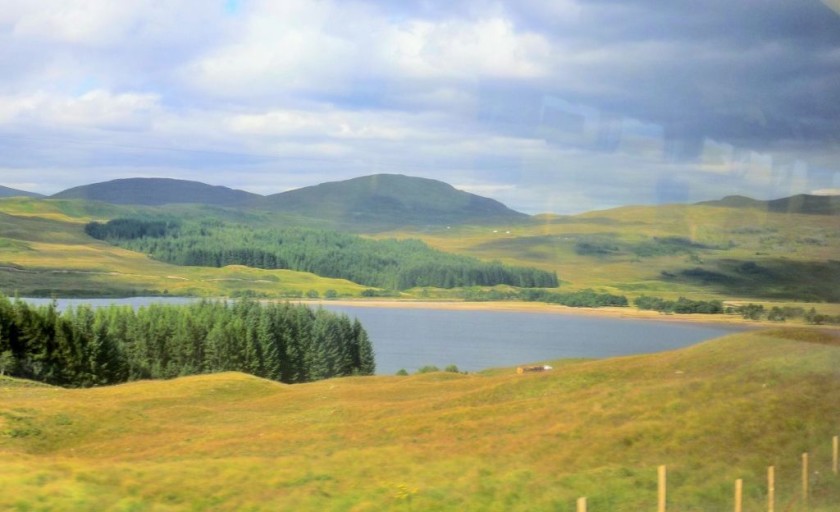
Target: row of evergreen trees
[84, 346]
[681, 305]
[387, 264]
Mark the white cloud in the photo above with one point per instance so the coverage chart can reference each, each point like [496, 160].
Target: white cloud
[826, 192]
[542, 102]
[107, 24]
[98, 108]
[466, 50]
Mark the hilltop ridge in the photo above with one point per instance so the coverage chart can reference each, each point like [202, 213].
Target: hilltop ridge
[160, 191]
[800, 203]
[385, 200]
[383, 197]
[12, 192]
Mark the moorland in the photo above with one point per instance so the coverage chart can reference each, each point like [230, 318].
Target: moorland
[719, 411]
[398, 237]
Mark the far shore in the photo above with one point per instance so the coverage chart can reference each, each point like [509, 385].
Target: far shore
[541, 307]
[630, 313]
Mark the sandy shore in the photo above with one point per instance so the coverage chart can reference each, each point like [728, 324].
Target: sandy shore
[539, 307]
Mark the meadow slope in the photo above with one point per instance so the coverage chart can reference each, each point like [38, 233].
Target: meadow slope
[702, 252]
[44, 251]
[718, 411]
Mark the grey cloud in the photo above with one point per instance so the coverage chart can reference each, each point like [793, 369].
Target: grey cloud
[632, 93]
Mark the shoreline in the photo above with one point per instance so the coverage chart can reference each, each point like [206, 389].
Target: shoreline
[627, 313]
[624, 313]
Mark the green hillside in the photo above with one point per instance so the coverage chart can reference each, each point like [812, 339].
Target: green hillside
[45, 251]
[367, 203]
[391, 200]
[801, 203]
[699, 251]
[11, 192]
[713, 413]
[160, 191]
[736, 254]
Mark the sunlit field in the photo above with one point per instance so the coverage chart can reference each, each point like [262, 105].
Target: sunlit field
[713, 413]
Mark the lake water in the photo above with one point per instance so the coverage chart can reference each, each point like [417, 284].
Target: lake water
[476, 340]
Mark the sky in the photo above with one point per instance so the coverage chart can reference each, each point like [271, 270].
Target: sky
[557, 106]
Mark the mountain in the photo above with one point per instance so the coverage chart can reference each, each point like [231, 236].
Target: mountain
[379, 201]
[392, 199]
[160, 191]
[11, 192]
[802, 203]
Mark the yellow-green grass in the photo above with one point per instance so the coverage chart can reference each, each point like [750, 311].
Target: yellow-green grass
[730, 233]
[715, 412]
[41, 254]
[46, 236]
[74, 211]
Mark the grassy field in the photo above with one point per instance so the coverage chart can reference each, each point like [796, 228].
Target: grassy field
[657, 250]
[701, 252]
[44, 250]
[715, 412]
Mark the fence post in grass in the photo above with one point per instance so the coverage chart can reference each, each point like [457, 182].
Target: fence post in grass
[663, 489]
[739, 493]
[581, 505]
[771, 489]
[805, 479]
[835, 448]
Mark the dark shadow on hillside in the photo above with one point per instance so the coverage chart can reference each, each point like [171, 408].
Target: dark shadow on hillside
[768, 279]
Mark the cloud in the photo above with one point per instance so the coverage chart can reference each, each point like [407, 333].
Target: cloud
[560, 105]
[96, 109]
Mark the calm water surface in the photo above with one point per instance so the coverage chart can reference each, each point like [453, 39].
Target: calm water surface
[475, 340]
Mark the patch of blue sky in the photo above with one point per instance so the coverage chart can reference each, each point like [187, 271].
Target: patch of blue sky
[232, 7]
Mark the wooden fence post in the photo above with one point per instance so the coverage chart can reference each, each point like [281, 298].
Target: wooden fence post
[663, 489]
[739, 493]
[771, 489]
[835, 448]
[805, 479]
[581, 505]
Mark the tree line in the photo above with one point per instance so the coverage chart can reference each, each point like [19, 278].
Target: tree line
[587, 298]
[681, 305]
[83, 346]
[387, 264]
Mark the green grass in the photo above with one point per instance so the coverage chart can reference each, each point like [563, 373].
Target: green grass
[715, 412]
[44, 251]
[644, 241]
[662, 251]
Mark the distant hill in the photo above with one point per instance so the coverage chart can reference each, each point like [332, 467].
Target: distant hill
[378, 201]
[802, 203]
[160, 191]
[11, 192]
[392, 199]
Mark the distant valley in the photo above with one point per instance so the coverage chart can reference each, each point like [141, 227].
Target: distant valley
[397, 236]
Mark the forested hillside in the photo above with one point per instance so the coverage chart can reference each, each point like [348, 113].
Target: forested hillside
[388, 264]
[84, 347]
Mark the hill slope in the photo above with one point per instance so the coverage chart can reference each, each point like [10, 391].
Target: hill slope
[366, 203]
[715, 412]
[44, 251]
[392, 199]
[11, 192]
[802, 203]
[160, 191]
